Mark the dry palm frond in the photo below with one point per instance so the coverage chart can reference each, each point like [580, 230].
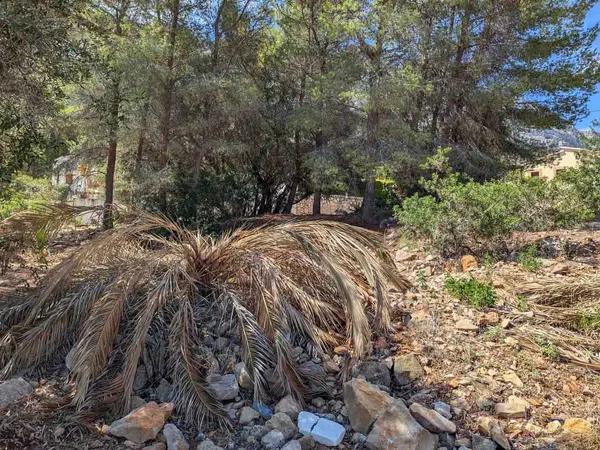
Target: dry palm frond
[315, 284]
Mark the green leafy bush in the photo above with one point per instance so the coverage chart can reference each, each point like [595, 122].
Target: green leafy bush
[25, 191]
[471, 290]
[529, 260]
[459, 214]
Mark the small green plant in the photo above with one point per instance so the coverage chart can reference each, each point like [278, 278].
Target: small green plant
[493, 333]
[42, 240]
[471, 290]
[549, 349]
[588, 321]
[421, 279]
[522, 303]
[529, 260]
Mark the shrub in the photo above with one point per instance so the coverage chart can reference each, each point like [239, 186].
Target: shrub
[461, 215]
[471, 290]
[151, 282]
[529, 259]
[25, 192]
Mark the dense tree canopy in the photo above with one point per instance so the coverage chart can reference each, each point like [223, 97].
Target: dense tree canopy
[221, 108]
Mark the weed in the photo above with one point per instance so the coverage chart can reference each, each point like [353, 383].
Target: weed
[529, 259]
[494, 333]
[522, 303]
[421, 279]
[471, 290]
[549, 350]
[588, 321]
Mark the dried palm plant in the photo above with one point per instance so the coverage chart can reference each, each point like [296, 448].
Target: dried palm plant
[317, 283]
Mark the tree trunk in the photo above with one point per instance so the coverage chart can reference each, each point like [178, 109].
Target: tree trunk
[165, 126]
[289, 204]
[316, 203]
[368, 204]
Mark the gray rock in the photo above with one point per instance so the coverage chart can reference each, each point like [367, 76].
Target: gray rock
[247, 415]
[292, 445]
[224, 387]
[221, 344]
[374, 372]
[364, 403]
[289, 406]
[243, 377]
[208, 445]
[397, 429]
[481, 443]
[142, 424]
[282, 422]
[407, 369]
[432, 420]
[443, 408]
[174, 437]
[141, 379]
[164, 390]
[13, 390]
[273, 439]
[156, 446]
[307, 442]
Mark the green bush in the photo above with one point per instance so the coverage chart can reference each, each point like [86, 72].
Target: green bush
[471, 290]
[529, 260]
[25, 191]
[459, 214]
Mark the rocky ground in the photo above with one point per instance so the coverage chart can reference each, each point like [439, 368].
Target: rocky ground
[451, 376]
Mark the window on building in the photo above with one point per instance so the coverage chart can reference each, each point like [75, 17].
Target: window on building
[534, 173]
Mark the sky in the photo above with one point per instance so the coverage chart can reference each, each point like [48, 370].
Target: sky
[592, 18]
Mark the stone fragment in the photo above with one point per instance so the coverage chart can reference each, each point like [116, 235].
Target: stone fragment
[306, 422]
[327, 432]
[156, 446]
[243, 377]
[143, 423]
[481, 443]
[407, 369]
[443, 408]
[292, 445]
[164, 391]
[489, 318]
[289, 406]
[514, 408]
[282, 422]
[223, 387]
[577, 426]
[468, 263]
[174, 437]
[247, 415]
[374, 372]
[552, 427]
[497, 434]
[397, 429]
[13, 390]
[307, 442]
[512, 378]
[273, 439]
[364, 403]
[208, 445]
[431, 419]
[465, 324]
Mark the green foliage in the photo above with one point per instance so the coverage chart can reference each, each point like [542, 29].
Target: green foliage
[529, 260]
[471, 290]
[522, 303]
[24, 192]
[588, 321]
[548, 348]
[459, 214]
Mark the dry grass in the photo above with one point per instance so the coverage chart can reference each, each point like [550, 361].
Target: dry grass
[317, 284]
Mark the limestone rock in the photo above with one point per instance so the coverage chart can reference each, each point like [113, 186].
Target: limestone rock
[13, 390]
[397, 429]
[407, 369]
[577, 426]
[327, 432]
[282, 422]
[223, 387]
[247, 415]
[468, 263]
[465, 324]
[243, 377]
[443, 408]
[273, 439]
[481, 443]
[208, 445]
[143, 423]
[174, 437]
[292, 445]
[306, 422]
[156, 446]
[512, 378]
[374, 372]
[514, 408]
[552, 427]
[289, 406]
[432, 420]
[364, 403]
